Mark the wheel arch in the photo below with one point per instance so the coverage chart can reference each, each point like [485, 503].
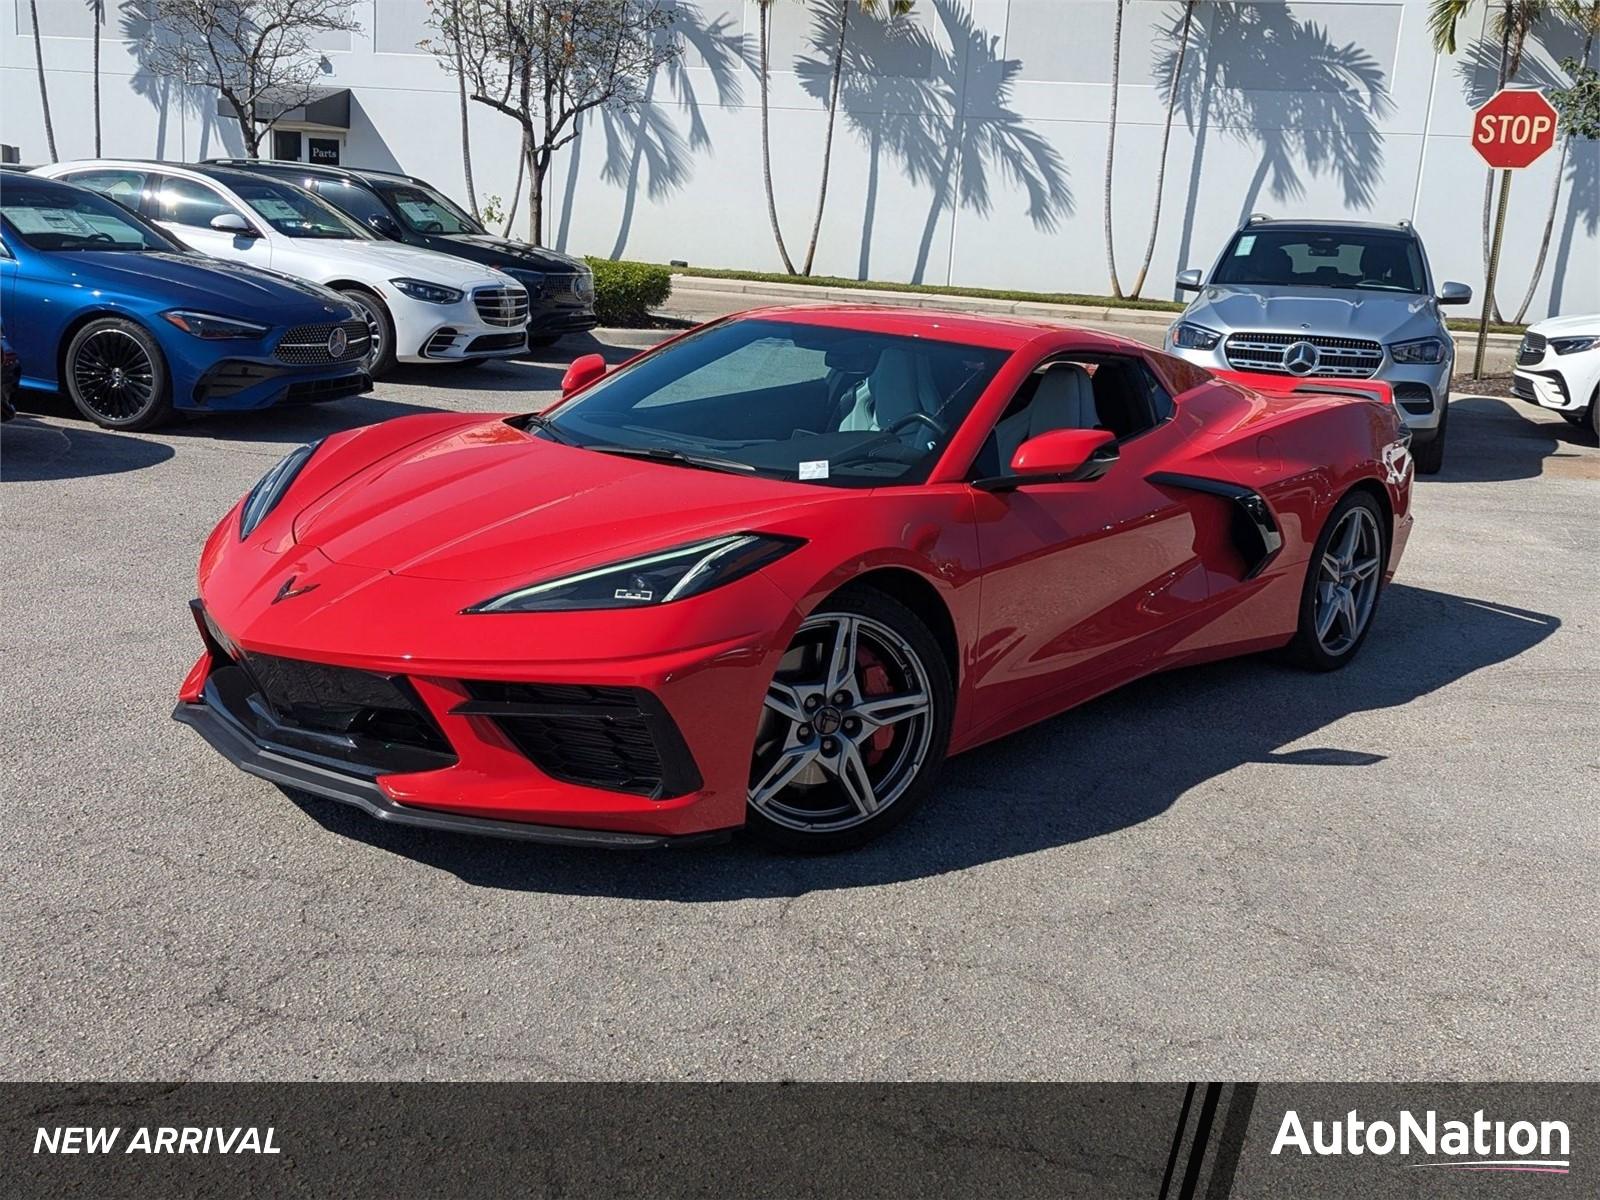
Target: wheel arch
[79, 320]
[1379, 493]
[922, 598]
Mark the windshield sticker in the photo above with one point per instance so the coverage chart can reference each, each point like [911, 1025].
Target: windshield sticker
[817, 469]
[419, 211]
[274, 209]
[49, 220]
[1246, 244]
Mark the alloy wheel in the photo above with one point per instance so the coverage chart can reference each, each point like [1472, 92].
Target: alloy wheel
[847, 725]
[1347, 581]
[114, 376]
[375, 331]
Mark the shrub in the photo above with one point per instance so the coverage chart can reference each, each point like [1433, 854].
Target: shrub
[625, 292]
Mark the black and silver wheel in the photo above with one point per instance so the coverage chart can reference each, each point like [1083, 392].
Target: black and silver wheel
[1594, 412]
[1342, 584]
[380, 329]
[116, 376]
[855, 724]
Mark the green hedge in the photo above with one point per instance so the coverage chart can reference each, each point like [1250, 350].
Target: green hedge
[625, 292]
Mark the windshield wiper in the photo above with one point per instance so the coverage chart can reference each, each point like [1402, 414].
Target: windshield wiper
[540, 421]
[662, 454]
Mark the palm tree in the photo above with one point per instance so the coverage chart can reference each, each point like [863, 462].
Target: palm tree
[44, 95]
[1586, 15]
[1166, 138]
[873, 8]
[97, 9]
[764, 20]
[1511, 23]
[1111, 144]
[461, 92]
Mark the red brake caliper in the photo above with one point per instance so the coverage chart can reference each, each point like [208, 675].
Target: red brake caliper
[875, 682]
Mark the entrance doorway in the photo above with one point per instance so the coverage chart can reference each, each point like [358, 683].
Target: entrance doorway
[319, 147]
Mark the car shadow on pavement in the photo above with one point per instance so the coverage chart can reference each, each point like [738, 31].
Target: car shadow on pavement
[32, 450]
[1109, 765]
[1493, 440]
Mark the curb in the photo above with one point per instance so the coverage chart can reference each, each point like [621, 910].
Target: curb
[1500, 351]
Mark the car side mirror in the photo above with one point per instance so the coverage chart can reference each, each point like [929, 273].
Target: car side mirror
[1191, 280]
[235, 224]
[382, 223]
[1060, 456]
[582, 373]
[1454, 293]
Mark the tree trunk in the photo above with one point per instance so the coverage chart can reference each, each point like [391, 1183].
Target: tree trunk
[1111, 145]
[537, 166]
[827, 141]
[1555, 198]
[516, 188]
[1166, 139]
[764, 17]
[466, 133]
[44, 95]
[98, 13]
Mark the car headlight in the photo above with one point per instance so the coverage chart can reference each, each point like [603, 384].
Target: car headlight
[658, 578]
[1187, 336]
[1422, 350]
[270, 489]
[212, 327]
[433, 293]
[1573, 345]
[583, 288]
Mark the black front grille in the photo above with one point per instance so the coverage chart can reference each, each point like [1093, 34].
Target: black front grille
[1414, 397]
[318, 391]
[505, 306]
[341, 700]
[1532, 349]
[617, 738]
[440, 343]
[1344, 357]
[307, 345]
[497, 341]
[230, 377]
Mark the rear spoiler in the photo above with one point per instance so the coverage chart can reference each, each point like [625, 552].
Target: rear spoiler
[1295, 385]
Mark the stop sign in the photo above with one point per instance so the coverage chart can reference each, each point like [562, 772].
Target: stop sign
[1514, 127]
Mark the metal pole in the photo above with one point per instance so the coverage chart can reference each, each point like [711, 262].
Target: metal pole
[1494, 267]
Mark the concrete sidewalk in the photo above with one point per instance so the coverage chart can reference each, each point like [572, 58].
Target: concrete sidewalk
[699, 299]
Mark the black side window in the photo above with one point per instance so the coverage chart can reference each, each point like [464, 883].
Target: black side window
[351, 199]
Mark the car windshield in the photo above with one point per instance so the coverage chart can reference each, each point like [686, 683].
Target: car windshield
[789, 400]
[1332, 258]
[296, 213]
[425, 210]
[59, 218]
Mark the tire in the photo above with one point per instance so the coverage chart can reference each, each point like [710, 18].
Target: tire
[116, 375]
[1333, 568]
[380, 326]
[1576, 416]
[809, 798]
[1594, 412]
[1429, 455]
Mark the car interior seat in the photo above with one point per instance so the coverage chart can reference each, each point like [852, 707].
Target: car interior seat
[899, 384]
[1064, 400]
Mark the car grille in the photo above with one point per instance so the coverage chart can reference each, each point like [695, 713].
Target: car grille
[319, 391]
[617, 738]
[342, 700]
[440, 343]
[506, 306]
[532, 281]
[307, 345]
[1351, 358]
[497, 341]
[1532, 349]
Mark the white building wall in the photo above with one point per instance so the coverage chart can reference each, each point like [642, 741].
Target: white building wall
[971, 148]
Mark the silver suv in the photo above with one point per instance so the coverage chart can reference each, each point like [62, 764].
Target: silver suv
[1329, 300]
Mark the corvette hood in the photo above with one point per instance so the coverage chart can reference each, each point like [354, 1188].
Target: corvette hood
[488, 502]
[1383, 316]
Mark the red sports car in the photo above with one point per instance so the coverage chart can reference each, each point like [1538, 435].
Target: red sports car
[771, 573]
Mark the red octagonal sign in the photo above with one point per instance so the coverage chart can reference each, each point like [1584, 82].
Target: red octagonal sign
[1514, 127]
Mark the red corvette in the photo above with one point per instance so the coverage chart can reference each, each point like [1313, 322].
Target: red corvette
[774, 571]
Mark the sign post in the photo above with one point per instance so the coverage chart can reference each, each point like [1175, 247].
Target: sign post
[1510, 131]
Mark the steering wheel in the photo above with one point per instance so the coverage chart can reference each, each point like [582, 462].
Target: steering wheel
[917, 417]
[888, 436]
[431, 226]
[101, 237]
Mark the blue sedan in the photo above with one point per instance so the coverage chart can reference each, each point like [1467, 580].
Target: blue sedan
[133, 325]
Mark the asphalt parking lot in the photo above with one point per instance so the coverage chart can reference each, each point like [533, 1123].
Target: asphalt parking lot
[1238, 871]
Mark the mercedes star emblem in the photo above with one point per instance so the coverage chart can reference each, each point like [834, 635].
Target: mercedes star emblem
[338, 343]
[1300, 358]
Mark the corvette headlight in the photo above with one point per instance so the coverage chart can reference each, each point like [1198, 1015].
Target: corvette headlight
[658, 578]
[432, 293]
[1423, 350]
[1573, 345]
[266, 494]
[1194, 337]
[212, 327]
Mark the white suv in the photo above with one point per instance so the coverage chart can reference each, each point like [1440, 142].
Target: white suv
[1558, 367]
[421, 306]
